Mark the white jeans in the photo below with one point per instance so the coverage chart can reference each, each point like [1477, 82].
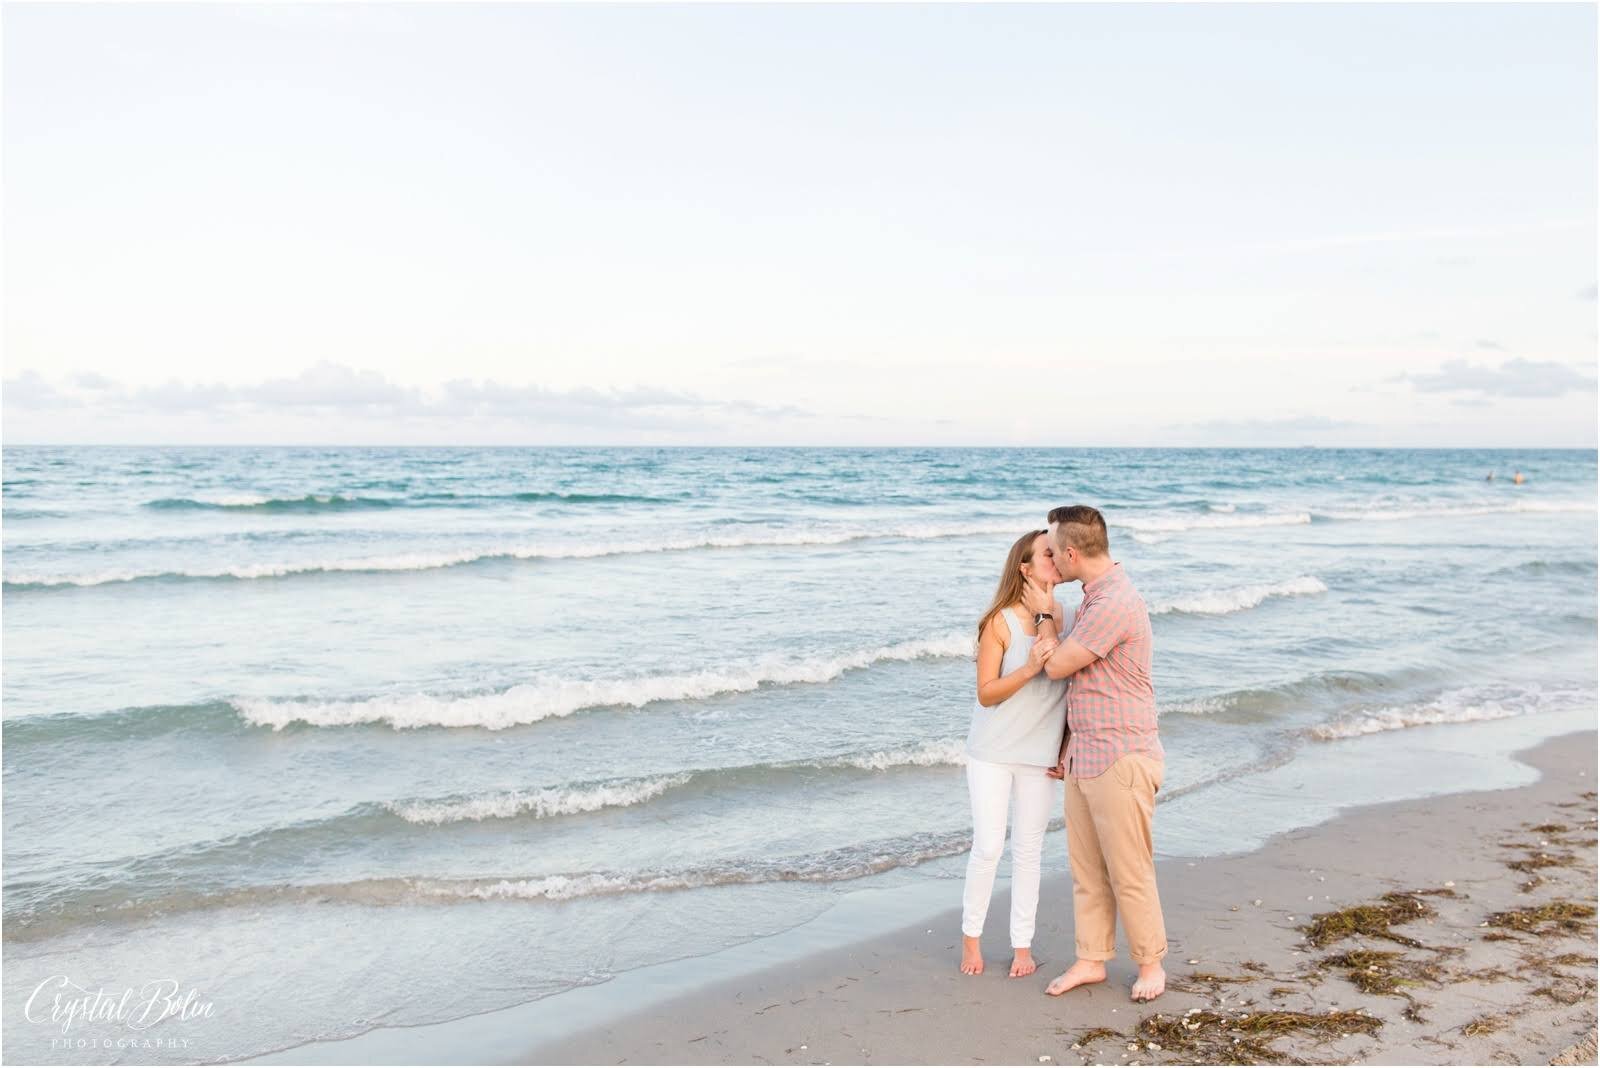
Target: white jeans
[1032, 796]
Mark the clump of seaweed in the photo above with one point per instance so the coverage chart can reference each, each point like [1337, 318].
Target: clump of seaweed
[1550, 918]
[1203, 1037]
[1567, 991]
[1096, 1034]
[1551, 828]
[1500, 936]
[1533, 862]
[1577, 960]
[1205, 982]
[1374, 921]
[1371, 970]
[1483, 1025]
[1385, 972]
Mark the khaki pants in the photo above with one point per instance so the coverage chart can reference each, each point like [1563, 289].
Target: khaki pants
[1113, 859]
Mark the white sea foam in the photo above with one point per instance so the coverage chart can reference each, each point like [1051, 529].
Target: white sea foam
[1466, 705]
[1240, 598]
[1177, 524]
[232, 500]
[1200, 706]
[575, 800]
[540, 804]
[580, 798]
[1222, 507]
[556, 696]
[1430, 511]
[829, 866]
[951, 751]
[427, 561]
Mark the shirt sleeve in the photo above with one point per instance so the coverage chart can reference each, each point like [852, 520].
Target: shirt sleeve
[1101, 627]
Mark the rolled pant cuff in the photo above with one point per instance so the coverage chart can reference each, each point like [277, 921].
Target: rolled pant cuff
[1149, 958]
[1093, 954]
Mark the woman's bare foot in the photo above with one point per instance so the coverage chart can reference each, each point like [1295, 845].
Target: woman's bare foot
[1022, 963]
[1082, 973]
[971, 956]
[1151, 983]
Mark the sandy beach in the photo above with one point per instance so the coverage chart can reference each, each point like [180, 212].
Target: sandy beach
[1451, 930]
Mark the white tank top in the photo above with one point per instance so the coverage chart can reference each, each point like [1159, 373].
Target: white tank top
[1027, 727]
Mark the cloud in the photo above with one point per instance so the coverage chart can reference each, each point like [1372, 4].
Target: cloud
[1483, 344]
[1513, 378]
[1589, 292]
[91, 381]
[1270, 432]
[30, 390]
[1298, 424]
[334, 390]
[1474, 233]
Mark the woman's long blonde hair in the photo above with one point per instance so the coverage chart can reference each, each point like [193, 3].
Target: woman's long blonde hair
[1011, 581]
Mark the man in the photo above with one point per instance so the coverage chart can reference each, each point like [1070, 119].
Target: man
[1111, 758]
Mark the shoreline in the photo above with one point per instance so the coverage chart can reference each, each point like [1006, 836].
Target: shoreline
[592, 1023]
[1237, 945]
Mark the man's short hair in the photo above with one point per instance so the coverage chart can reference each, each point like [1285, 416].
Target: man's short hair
[1081, 527]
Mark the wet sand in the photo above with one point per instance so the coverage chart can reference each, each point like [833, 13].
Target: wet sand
[1471, 976]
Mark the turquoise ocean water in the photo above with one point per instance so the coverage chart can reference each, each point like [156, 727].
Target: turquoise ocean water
[353, 737]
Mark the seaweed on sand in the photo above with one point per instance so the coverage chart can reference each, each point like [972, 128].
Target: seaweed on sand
[1374, 920]
[1531, 863]
[1204, 1037]
[1095, 1034]
[1373, 971]
[1482, 1025]
[1550, 918]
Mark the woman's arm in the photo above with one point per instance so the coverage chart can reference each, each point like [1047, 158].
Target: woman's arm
[994, 687]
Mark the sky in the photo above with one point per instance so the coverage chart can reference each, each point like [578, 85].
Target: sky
[1145, 224]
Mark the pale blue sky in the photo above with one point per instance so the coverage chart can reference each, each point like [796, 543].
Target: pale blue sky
[1075, 224]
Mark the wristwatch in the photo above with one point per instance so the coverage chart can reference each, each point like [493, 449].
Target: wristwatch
[1040, 617]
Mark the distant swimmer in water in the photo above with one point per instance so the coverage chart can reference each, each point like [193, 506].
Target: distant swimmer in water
[1517, 478]
[1490, 477]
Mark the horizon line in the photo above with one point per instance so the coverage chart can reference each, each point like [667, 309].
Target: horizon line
[998, 445]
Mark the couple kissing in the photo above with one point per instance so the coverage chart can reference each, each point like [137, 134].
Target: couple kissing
[1067, 699]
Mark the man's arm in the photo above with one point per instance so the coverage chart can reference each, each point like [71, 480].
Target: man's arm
[1069, 658]
[1099, 627]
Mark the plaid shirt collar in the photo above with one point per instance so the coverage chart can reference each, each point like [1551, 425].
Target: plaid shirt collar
[1112, 576]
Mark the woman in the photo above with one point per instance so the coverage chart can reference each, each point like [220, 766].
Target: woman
[1015, 739]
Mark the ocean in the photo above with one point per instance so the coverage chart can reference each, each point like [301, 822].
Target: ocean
[338, 738]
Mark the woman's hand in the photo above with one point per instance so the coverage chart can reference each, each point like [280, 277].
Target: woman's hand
[1043, 646]
[1059, 771]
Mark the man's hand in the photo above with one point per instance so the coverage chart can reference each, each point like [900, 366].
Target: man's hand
[1036, 599]
[1059, 771]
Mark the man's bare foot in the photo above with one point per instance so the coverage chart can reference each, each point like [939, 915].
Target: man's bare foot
[1022, 963]
[1151, 982]
[1082, 973]
[971, 956]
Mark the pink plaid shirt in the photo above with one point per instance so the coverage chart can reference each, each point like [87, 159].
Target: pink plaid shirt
[1111, 704]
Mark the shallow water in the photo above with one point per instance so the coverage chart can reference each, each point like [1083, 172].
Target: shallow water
[340, 736]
